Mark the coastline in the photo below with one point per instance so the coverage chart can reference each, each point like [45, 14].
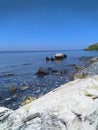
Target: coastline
[72, 106]
[90, 70]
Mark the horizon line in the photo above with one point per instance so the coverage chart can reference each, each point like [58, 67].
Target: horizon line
[40, 50]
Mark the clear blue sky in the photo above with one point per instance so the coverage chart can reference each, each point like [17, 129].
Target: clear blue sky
[48, 24]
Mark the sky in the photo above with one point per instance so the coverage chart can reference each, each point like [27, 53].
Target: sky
[48, 24]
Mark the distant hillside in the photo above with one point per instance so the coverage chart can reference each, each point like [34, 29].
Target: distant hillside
[92, 47]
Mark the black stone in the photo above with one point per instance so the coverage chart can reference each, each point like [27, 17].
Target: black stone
[42, 72]
[47, 58]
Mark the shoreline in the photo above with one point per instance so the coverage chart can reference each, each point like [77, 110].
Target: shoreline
[16, 98]
[72, 106]
[89, 71]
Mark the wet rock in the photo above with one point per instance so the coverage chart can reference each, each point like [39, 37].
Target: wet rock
[47, 58]
[72, 65]
[49, 68]
[52, 59]
[13, 90]
[26, 64]
[90, 70]
[54, 71]
[63, 72]
[8, 75]
[79, 67]
[7, 99]
[12, 101]
[85, 59]
[42, 72]
[24, 88]
[14, 96]
[81, 75]
[92, 60]
[27, 101]
[60, 56]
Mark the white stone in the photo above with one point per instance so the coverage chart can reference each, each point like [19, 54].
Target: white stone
[59, 55]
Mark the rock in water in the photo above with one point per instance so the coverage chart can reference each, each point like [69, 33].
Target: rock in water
[47, 58]
[27, 101]
[42, 72]
[73, 106]
[13, 90]
[60, 56]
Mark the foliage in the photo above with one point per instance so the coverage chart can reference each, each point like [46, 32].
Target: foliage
[92, 47]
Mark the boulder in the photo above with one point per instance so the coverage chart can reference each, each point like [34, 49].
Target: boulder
[63, 72]
[60, 56]
[13, 90]
[54, 71]
[27, 101]
[24, 88]
[47, 58]
[94, 59]
[42, 72]
[79, 67]
[81, 75]
[52, 59]
[73, 106]
[8, 75]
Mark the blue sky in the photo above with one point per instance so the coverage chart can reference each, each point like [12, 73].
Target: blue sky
[48, 24]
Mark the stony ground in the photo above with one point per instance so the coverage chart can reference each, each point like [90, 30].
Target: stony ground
[90, 70]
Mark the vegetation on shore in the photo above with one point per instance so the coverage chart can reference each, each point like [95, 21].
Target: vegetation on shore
[92, 47]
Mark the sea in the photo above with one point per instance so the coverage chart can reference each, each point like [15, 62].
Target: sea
[18, 73]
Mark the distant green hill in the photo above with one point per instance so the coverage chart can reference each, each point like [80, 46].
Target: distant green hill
[92, 47]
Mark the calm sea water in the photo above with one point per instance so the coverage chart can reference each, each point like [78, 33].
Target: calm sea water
[23, 67]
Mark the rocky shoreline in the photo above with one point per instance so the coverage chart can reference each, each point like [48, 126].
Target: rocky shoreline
[90, 70]
[72, 106]
[16, 90]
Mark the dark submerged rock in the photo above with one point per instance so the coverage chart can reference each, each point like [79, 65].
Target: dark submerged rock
[85, 59]
[13, 90]
[78, 67]
[54, 71]
[65, 56]
[47, 58]
[42, 72]
[26, 64]
[52, 59]
[63, 72]
[72, 65]
[8, 75]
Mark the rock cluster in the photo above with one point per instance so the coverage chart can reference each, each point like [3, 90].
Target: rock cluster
[90, 70]
[58, 56]
[73, 106]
